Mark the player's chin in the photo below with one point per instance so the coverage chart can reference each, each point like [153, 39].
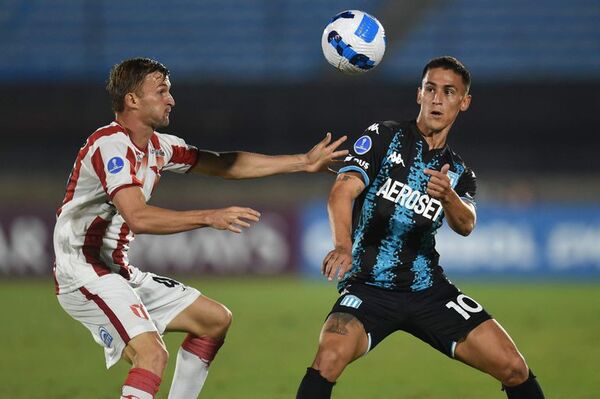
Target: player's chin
[163, 123]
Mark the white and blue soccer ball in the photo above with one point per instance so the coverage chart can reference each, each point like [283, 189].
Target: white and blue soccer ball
[353, 42]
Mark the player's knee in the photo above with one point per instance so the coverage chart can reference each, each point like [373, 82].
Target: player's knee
[514, 371]
[223, 320]
[331, 361]
[219, 323]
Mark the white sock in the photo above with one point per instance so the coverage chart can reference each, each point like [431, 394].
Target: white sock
[190, 374]
[134, 393]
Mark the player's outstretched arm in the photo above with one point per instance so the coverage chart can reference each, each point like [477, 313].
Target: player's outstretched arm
[460, 215]
[145, 219]
[246, 165]
[346, 188]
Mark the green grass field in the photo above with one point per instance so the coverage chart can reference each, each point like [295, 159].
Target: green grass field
[46, 354]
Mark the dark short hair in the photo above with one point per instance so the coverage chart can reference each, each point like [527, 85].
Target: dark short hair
[451, 63]
[128, 76]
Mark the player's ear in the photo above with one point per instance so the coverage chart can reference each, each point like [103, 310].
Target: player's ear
[131, 100]
[465, 103]
[419, 95]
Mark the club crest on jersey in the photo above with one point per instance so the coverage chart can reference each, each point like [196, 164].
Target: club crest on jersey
[115, 165]
[363, 145]
[105, 336]
[453, 178]
[351, 301]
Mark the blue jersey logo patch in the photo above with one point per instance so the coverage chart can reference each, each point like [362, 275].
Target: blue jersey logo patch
[115, 165]
[453, 178]
[363, 145]
[105, 336]
[351, 301]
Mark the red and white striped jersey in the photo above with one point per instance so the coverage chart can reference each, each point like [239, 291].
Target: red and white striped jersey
[91, 238]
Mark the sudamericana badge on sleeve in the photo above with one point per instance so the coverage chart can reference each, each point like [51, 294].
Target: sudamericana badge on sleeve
[363, 145]
[115, 165]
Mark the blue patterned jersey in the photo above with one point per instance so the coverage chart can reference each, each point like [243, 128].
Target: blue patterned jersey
[394, 220]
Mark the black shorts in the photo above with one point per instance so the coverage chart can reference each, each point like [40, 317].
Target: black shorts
[440, 315]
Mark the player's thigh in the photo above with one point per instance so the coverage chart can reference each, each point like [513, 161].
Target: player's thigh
[163, 297]
[489, 348]
[342, 337]
[111, 310]
[443, 316]
[203, 317]
[361, 318]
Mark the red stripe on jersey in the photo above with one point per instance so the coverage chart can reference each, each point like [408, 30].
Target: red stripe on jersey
[108, 312]
[118, 255]
[98, 165]
[184, 155]
[102, 132]
[93, 244]
[133, 167]
[155, 141]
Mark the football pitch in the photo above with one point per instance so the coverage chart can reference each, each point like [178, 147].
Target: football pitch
[45, 354]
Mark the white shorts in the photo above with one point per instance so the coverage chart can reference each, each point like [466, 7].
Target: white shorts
[115, 310]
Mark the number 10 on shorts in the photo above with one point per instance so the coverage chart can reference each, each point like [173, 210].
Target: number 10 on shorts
[464, 308]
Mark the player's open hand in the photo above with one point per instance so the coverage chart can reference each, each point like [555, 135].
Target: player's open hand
[234, 218]
[439, 186]
[337, 262]
[323, 155]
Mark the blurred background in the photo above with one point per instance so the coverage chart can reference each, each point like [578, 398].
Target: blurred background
[250, 75]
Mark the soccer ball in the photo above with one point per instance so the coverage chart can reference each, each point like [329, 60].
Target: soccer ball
[353, 42]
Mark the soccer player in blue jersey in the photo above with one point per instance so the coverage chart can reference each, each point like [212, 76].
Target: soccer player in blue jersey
[399, 181]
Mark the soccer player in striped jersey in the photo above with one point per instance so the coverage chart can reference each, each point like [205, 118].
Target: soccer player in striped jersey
[125, 309]
[398, 183]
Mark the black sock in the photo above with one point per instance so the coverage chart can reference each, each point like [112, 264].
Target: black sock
[314, 386]
[530, 389]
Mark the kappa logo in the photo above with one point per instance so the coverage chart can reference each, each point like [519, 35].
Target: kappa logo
[363, 145]
[115, 165]
[396, 158]
[374, 128]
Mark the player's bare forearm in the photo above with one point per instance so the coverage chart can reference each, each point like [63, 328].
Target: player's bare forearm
[145, 219]
[247, 165]
[460, 215]
[347, 187]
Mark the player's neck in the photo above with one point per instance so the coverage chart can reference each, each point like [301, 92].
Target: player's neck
[138, 132]
[435, 139]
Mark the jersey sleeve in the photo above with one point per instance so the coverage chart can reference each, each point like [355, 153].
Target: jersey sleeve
[180, 157]
[366, 152]
[467, 186]
[114, 160]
